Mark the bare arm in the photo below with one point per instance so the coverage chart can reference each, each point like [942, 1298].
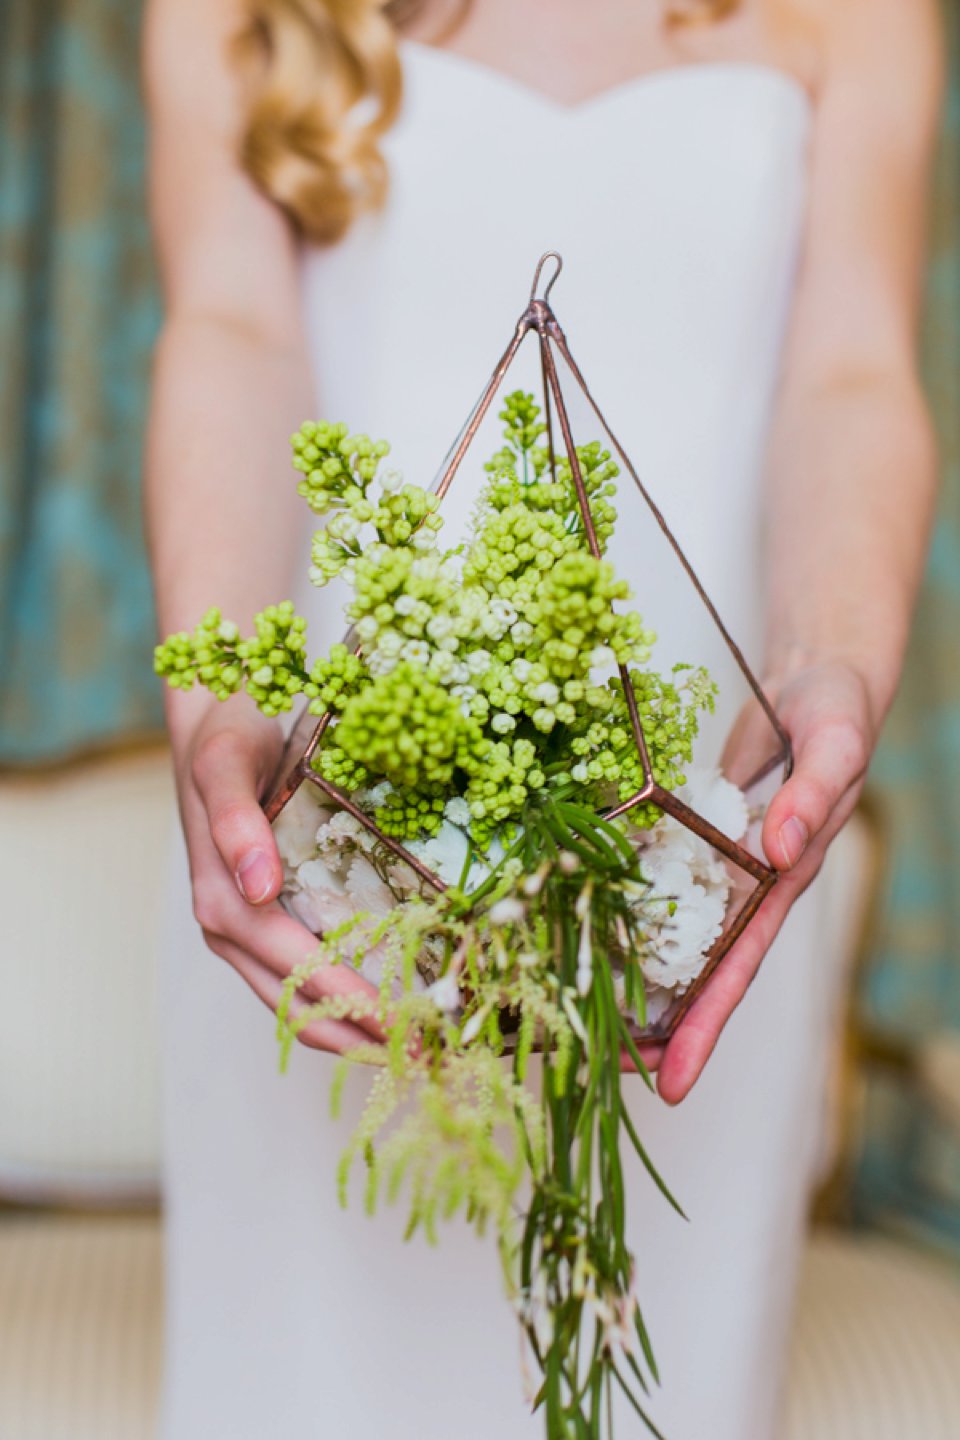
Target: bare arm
[231, 382]
[852, 463]
[232, 376]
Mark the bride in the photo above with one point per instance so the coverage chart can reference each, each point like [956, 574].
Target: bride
[348, 198]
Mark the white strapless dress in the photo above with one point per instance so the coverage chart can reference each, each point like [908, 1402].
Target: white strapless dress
[677, 201]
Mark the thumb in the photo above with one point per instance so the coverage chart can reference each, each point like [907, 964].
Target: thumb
[227, 769]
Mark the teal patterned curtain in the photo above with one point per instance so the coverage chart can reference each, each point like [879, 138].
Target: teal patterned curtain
[77, 316]
[911, 1168]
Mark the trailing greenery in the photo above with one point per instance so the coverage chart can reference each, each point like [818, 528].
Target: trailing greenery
[463, 1132]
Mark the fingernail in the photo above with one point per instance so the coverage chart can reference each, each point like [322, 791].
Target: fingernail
[793, 839]
[254, 876]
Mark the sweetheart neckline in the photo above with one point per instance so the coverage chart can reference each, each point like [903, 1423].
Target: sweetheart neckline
[648, 81]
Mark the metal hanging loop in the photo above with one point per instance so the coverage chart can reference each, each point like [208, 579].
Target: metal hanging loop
[547, 255]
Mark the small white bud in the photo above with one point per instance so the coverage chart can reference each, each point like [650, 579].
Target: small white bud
[508, 911]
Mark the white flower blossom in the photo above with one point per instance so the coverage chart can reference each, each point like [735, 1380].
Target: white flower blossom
[342, 836]
[390, 481]
[507, 911]
[366, 889]
[377, 795]
[445, 993]
[439, 627]
[416, 652]
[585, 959]
[602, 663]
[380, 664]
[474, 1025]
[315, 875]
[717, 799]
[478, 662]
[343, 526]
[465, 694]
[686, 903]
[390, 643]
[503, 723]
[547, 693]
[295, 828]
[457, 811]
[503, 612]
[444, 853]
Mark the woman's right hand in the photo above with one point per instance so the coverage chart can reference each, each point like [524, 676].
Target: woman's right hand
[222, 764]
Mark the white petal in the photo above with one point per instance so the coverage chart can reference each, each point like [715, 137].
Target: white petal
[367, 890]
[445, 993]
[295, 828]
[718, 800]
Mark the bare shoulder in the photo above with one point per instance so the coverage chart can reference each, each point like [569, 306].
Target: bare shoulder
[223, 246]
[891, 47]
[878, 95]
[187, 58]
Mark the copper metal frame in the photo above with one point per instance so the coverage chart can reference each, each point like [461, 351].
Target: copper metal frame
[539, 317]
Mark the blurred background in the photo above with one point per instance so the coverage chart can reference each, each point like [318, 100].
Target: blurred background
[86, 810]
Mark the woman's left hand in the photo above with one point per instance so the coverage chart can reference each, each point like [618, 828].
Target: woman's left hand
[825, 708]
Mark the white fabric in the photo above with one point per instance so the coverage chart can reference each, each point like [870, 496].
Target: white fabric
[677, 202]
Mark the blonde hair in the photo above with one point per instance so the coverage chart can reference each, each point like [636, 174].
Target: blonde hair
[324, 85]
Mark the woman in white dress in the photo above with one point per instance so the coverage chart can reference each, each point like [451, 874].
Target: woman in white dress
[740, 205]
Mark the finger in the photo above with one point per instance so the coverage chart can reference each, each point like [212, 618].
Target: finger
[651, 1055]
[226, 772]
[280, 944]
[830, 760]
[336, 1036]
[690, 1048]
[695, 1039]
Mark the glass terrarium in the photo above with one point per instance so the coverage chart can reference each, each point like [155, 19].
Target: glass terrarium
[694, 821]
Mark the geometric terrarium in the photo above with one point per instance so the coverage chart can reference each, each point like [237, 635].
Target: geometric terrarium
[744, 739]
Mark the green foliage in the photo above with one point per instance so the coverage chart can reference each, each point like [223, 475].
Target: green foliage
[488, 673]
[270, 666]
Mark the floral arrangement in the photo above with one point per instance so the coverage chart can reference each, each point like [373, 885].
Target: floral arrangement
[478, 725]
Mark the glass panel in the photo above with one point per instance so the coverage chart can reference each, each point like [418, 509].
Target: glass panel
[709, 891]
[335, 868]
[738, 738]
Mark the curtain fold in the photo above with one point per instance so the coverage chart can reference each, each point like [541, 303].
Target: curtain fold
[77, 318]
[911, 1167]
